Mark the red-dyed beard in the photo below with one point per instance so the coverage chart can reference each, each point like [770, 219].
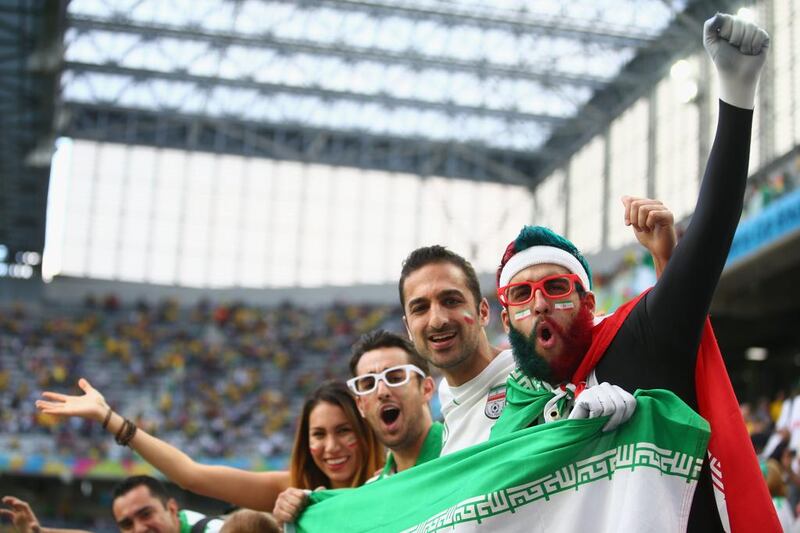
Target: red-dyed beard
[576, 339]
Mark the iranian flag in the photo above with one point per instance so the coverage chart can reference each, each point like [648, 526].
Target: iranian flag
[561, 476]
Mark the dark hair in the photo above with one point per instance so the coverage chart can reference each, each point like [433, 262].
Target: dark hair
[438, 254]
[380, 338]
[777, 453]
[157, 489]
[305, 474]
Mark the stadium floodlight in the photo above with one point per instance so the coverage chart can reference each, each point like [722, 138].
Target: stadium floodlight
[681, 70]
[756, 353]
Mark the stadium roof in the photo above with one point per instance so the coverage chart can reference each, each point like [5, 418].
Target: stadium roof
[30, 57]
[492, 90]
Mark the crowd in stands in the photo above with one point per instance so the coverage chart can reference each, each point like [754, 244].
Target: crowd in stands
[774, 427]
[227, 380]
[214, 380]
[763, 190]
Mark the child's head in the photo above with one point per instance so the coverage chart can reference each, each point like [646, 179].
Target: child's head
[247, 521]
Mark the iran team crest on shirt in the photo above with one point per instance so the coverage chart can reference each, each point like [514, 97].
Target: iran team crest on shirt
[495, 401]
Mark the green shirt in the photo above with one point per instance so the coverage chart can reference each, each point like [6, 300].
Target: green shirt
[431, 449]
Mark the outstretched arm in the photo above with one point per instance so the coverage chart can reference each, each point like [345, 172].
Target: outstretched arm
[679, 303]
[254, 490]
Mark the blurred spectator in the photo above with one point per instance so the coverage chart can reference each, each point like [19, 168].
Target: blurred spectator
[778, 491]
[763, 190]
[780, 457]
[757, 421]
[246, 521]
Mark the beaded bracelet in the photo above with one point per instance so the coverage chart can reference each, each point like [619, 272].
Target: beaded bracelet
[125, 433]
[131, 433]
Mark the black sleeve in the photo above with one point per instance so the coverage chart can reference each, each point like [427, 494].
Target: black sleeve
[679, 302]
[657, 344]
[656, 347]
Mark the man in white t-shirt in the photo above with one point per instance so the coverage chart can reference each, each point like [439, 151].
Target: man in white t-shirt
[445, 316]
[471, 409]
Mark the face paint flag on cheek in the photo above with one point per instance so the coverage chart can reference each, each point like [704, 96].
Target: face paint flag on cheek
[564, 304]
[350, 440]
[519, 315]
[468, 318]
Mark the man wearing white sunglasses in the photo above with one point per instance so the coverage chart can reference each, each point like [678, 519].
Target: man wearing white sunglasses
[392, 387]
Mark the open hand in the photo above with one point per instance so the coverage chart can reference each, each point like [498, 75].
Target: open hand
[90, 405]
[21, 515]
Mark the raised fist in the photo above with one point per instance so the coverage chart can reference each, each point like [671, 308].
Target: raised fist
[738, 49]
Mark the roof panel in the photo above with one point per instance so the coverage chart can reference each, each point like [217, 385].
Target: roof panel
[501, 74]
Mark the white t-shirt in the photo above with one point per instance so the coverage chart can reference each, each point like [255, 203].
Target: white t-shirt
[470, 410]
[794, 424]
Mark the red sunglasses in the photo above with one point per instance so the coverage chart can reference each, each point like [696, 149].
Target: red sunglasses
[557, 286]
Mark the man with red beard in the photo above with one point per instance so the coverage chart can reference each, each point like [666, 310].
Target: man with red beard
[544, 284]
[445, 316]
[548, 309]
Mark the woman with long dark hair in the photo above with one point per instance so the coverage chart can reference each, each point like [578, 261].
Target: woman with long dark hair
[334, 448]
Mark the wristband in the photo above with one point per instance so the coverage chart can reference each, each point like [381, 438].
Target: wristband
[107, 418]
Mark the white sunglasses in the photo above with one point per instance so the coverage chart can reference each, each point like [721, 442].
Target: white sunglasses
[395, 376]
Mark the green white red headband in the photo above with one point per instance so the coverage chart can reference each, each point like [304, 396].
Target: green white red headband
[538, 255]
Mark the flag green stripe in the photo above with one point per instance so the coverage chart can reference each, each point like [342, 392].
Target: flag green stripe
[673, 436]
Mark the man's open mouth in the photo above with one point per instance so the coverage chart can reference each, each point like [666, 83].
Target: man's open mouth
[390, 414]
[545, 335]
